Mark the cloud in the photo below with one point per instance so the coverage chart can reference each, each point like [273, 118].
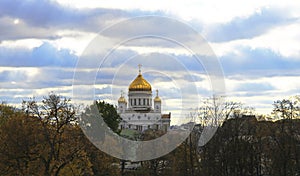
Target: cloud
[42, 56]
[21, 30]
[35, 78]
[47, 55]
[20, 19]
[282, 40]
[249, 27]
[213, 11]
[257, 62]
[45, 13]
[254, 87]
[12, 76]
[20, 83]
[260, 59]
[261, 92]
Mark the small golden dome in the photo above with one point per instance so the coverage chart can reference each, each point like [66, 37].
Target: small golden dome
[122, 100]
[140, 84]
[157, 99]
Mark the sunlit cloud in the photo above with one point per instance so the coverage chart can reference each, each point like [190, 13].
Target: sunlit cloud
[257, 43]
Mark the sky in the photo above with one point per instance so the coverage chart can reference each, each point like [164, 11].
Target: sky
[43, 43]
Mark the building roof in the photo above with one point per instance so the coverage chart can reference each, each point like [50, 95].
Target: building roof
[122, 100]
[140, 84]
[157, 99]
[166, 116]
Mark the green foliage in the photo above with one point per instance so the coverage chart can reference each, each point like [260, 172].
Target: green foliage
[6, 112]
[109, 115]
[45, 139]
[21, 144]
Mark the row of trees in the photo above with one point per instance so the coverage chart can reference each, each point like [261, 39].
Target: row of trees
[45, 139]
[244, 144]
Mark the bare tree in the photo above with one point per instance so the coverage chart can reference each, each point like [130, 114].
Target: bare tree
[216, 110]
[287, 108]
[57, 118]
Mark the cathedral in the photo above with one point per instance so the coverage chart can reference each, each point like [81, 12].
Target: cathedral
[141, 111]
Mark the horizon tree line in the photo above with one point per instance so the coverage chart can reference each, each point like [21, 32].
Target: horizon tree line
[44, 138]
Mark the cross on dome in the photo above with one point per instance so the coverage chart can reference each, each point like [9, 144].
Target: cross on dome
[140, 66]
[122, 98]
[140, 84]
[157, 99]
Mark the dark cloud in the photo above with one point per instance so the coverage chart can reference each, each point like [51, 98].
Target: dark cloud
[42, 18]
[244, 28]
[47, 13]
[47, 55]
[44, 55]
[157, 31]
[11, 31]
[35, 78]
[8, 76]
[258, 62]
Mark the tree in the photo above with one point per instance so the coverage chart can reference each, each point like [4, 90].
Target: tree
[62, 145]
[94, 121]
[287, 108]
[154, 166]
[21, 143]
[109, 115]
[45, 139]
[216, 110]
[6, 112]
[213, 113]
[285, 137]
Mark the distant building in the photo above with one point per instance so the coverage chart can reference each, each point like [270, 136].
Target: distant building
[141, 111]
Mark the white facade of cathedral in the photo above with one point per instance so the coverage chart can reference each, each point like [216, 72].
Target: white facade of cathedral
[141, 111]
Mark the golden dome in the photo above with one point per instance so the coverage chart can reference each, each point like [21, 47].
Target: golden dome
[122, 100]
[140, 84]
[157, 99]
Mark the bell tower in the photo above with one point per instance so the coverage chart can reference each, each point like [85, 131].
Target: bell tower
[122, 103]
[157, 103]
